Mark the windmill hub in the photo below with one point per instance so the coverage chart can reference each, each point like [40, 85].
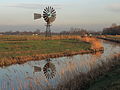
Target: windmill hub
[49, 15]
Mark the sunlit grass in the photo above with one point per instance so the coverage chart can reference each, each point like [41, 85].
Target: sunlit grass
[117, 37]
[113, 38]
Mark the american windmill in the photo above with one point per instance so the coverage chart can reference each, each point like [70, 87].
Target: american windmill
[49, 15]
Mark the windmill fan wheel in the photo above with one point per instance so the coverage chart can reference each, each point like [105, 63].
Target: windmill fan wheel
[49, 14]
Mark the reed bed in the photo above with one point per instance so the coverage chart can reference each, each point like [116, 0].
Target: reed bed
[84, 81]
[37, 37]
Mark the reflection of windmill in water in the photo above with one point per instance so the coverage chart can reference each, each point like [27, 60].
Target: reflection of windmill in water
[98, 54]
[37, 69]
[49, 69]
[49, 15]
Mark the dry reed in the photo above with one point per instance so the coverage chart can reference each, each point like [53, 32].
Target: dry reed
[84, 80]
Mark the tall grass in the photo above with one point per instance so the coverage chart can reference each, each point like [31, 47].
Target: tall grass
[84, 80]
[38, 37]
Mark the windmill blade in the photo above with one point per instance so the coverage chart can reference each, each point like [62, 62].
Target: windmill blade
[50, 9]
[45, 10]
[37, 16]
[46, 18]
[54, 12]
[45, 14]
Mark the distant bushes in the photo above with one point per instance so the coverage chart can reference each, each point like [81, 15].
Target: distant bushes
[112, 30]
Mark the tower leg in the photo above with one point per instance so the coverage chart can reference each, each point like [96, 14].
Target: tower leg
[48, 31]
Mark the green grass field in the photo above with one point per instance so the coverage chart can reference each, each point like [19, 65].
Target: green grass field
[15, 46]
[109, 81]
[113, 37]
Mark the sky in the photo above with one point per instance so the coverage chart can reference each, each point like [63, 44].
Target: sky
[88, 14]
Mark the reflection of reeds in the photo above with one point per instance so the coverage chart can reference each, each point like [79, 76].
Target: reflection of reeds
[83, 80]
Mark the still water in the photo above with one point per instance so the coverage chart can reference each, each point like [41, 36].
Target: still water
[39, 75]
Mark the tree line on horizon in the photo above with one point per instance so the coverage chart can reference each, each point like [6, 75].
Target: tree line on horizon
[113, 30]
[72, 31]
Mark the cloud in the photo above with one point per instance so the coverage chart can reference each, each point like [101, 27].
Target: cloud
[33, 5]
[114, 7]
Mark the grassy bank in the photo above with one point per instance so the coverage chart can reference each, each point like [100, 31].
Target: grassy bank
[109, 81]
[106, 76]
[116, 37]
[113, 38]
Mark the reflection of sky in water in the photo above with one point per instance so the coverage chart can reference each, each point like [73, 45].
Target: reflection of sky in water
[24, 76]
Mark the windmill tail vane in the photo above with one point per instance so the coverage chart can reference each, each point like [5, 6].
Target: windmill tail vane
[49, 15]
[37, 16]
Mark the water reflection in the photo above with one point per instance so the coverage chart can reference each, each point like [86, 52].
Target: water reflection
[49, 69]
[98, 54]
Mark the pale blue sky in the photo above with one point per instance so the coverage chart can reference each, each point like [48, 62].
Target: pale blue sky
[89, 14]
